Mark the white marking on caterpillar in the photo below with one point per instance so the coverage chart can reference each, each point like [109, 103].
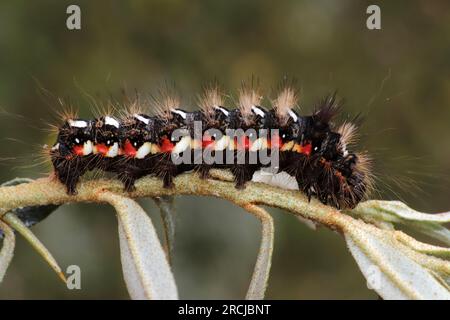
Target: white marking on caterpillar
[112, 122]
[144, 150]
[258, 111]
[87, 148]
[223, 110]
[196, 144]
[77, 123]
[181, 113]
[182, 145]
[55, 147]
[222, 143]
[113, 150]
[293, 115]
[141, 118]
[260, 143]
[344, 148]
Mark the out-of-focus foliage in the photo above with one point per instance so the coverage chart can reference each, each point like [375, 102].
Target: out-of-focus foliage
[398, 78]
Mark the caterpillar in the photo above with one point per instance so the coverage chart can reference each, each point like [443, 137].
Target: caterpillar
[249, 140]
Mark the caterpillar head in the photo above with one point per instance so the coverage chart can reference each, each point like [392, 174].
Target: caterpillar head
[74, 138]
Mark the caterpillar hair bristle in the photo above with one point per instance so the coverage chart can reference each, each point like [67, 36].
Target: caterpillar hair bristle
[249, 99]
[67, 112]
[165, 102]
[100, 110]
[349, 134]
[285, 101]
[364, 165]
[328, 108]
[211, 98]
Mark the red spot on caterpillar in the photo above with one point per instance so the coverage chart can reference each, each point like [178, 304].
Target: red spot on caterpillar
[306, 149]
[78, 150]
[102, 148]
[207, 141]
[275, 142]
[243, 143]
[166, 145]
[128, 149]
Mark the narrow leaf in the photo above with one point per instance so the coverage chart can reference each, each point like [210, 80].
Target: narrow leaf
[400, 210]
[7, 251]
[20, 227]
[146, 270]
[430, 224]
[167, 211]
[389, 271]
[261, 272]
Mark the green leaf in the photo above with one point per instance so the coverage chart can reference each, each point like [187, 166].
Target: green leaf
[393, 270]
[7, 251]
[167, 211]
[20, 227]
[146, 270]
[397, 212]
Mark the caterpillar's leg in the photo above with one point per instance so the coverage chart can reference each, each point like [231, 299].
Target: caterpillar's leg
[71, 185]
[203, 170]
[166, 170]
[128, 181]
[67, 173]
[242, 175]
[167, 180]
[243, 172]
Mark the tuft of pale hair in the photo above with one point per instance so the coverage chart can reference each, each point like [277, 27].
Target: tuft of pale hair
[286, 100]
[211, 98]
[67, 111]
[249, 97]
[348, 132]
[164, 103]
[62, 115]
[364, 165]
[132, 107]
[104, 109]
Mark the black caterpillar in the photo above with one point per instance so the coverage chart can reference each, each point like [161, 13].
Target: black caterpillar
[136, 144]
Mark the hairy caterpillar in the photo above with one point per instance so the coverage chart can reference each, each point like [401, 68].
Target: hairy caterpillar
[135, 144]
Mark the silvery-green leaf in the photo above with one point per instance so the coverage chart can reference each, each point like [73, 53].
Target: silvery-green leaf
[7, 251]
[21, 228]
[432, 230]
[389, 271]
[399, 213]
[400, 210]
[261, 272]
[146, 270]
[167, 210]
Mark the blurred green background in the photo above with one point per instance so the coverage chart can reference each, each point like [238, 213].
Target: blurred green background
[397, 77]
